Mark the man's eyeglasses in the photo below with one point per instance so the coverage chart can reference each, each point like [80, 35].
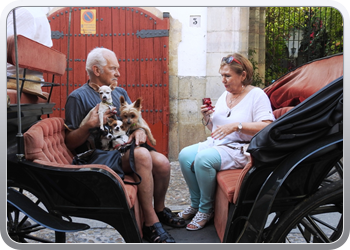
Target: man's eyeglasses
[230, 59]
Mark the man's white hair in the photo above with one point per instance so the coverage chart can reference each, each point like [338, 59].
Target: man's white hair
[96, 58]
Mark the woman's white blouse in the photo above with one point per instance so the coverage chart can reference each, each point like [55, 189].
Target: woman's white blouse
[254, 107]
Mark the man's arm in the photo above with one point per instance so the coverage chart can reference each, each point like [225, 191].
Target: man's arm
[75, 138]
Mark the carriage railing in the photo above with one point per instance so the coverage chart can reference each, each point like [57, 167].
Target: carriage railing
[28, 54]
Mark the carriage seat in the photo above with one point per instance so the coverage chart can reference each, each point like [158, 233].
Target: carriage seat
[228, 182]
[44, 144]
[37, 57]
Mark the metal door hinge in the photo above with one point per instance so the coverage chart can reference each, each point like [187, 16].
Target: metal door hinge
[56, 34]
[152, 33]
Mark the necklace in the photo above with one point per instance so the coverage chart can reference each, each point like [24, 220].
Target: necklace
[234, 99]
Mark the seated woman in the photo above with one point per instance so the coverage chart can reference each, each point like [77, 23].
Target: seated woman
[240, 112]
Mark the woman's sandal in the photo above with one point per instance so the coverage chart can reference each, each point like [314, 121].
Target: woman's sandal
[188, 213]
[199, 218]
[157, 234]
[169, 218]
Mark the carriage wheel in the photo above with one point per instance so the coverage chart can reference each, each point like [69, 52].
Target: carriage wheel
[318, 219]
[24, 230]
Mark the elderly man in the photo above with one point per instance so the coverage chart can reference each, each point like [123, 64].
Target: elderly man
[154, 168]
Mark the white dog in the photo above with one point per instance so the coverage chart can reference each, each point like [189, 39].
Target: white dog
[105, 93]
[119, 134]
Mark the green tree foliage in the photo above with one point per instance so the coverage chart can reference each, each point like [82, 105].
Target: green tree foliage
[257, 79]
[322, 35]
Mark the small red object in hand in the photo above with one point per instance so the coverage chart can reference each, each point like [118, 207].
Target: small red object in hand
[207, 101]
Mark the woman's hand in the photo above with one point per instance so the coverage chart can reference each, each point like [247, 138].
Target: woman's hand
[206, 111]
[222, 131]
[249, 128]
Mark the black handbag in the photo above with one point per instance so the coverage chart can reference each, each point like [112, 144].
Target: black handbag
[112, 159]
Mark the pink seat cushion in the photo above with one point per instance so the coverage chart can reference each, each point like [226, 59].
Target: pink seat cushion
[44, 143]
[227, 181]
[281, 111]
[297, 85]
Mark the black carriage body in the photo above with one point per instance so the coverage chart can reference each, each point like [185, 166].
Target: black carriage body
[291, 158]
[86, 193]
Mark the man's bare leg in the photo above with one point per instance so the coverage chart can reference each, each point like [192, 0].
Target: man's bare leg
[161, 176]
[143, 166]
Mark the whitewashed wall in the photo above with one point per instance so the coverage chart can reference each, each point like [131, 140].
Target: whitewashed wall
[192, 48]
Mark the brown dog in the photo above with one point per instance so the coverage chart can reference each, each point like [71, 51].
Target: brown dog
[131, 117]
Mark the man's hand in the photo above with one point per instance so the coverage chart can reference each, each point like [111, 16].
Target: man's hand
[140, 137]
[94, 120]
[108, 114]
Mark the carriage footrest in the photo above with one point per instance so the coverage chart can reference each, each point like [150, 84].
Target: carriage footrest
[33, 211]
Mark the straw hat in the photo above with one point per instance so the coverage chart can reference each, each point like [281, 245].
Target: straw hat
[33, 88]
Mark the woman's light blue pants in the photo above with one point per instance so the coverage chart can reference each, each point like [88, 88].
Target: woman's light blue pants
[201, 183]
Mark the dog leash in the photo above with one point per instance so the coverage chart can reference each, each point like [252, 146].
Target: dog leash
[122, 148]
[132, 164]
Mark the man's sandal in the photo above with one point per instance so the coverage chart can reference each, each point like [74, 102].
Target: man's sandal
[157, 234]
[200, 217]
[169, 218]
[188, 213]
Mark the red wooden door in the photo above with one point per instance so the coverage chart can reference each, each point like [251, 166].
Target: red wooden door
[140, 41]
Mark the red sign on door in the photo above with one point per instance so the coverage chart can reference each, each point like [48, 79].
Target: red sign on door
[88, 22]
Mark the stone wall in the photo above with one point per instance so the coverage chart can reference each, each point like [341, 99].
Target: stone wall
[257, 38]
[227, 32]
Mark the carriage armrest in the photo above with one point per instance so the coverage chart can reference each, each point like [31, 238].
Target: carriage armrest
[281, 111]
[35, 56]
[29, 208]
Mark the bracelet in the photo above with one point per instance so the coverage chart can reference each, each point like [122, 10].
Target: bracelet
[204, 122]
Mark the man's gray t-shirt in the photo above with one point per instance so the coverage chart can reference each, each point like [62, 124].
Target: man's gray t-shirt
[83, 99]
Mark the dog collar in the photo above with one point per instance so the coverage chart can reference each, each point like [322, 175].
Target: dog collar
[130, 129]
[109, 103]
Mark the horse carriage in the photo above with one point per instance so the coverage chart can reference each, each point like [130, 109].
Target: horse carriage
[293, 182]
